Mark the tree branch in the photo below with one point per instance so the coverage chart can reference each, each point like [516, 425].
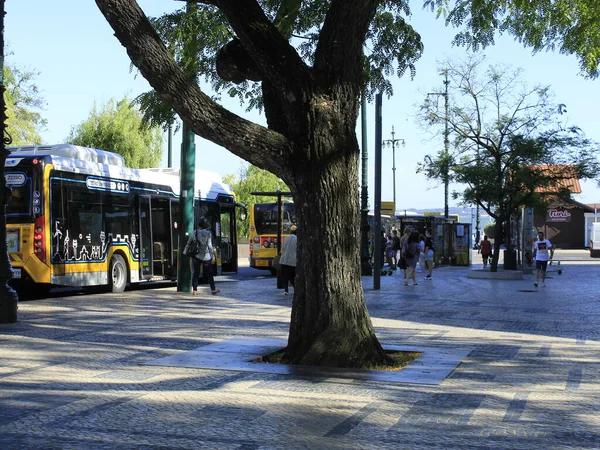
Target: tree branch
[268, 47]
[339, 53]
[206, 118]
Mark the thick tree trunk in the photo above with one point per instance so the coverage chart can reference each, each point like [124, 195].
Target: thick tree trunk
[311, 144]
[330, 324]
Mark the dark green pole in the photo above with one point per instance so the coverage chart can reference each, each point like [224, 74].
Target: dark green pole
[188, 170]
[365, 266]
[170, 146]
[377, 230]
[8, 297]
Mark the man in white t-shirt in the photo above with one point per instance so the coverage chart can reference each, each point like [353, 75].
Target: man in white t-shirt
[542, 252]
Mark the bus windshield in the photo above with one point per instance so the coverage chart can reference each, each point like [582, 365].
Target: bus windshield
[21, 202]
[265, 217]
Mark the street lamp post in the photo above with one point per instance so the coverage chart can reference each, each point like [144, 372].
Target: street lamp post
[446, 155]
[445, 163]
[8, 297]
[392, 143]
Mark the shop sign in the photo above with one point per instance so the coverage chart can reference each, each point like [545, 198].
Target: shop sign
[558, 215]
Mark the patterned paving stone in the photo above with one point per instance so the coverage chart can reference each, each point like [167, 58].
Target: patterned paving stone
[74, 372]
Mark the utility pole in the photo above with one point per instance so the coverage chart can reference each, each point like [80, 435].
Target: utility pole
[187, 167]
[8, 297]
[170, 146]
[445, 167]
[446, 145]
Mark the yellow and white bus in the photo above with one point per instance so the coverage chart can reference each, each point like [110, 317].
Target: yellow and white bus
[263, 231]
[78, 217]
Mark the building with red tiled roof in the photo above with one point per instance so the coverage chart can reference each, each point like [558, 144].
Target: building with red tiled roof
[566, 223]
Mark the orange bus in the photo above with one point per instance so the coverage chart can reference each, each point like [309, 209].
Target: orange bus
[263, 231]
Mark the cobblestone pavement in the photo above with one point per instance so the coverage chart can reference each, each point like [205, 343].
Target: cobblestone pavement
[72, 373]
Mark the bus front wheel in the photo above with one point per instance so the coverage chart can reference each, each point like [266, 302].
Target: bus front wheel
[118, 274]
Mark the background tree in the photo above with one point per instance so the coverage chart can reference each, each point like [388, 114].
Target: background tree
[310, 95]
[252, 179]
[23, 105]
[509, 151]
[118, 127]
[490, 230]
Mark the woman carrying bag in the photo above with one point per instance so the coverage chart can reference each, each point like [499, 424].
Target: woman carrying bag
[205, 256]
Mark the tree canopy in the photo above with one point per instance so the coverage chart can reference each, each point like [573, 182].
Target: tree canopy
[23, 105]
[117, 127]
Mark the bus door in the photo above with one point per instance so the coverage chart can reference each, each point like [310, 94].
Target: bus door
[229, 254]
[174, 208]
[146, 258]
[161, 237]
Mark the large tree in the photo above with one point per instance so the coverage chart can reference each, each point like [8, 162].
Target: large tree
[310, 95]
[253, 179]
[118, 127]
[23, 105]
[509, 148]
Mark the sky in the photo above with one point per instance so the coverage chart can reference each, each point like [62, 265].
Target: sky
[81, 63]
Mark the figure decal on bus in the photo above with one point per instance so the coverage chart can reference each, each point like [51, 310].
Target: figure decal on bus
[57, 234]
[74, 249]
[95, 254]
[83, 255]
[103, 242]
[134, 250]
[66, 243]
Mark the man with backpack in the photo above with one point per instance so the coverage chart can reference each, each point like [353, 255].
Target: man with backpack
[201, 243]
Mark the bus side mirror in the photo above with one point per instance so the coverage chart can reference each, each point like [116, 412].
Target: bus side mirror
[243, 214]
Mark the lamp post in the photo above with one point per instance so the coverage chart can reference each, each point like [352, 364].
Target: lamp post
[445, 162]
[392, 143]
[8, 297]
[446, 155]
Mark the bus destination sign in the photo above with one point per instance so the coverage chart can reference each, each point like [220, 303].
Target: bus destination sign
[107, 185]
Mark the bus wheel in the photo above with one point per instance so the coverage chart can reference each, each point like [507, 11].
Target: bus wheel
[117, 276]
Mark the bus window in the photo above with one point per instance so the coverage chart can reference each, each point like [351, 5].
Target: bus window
[21, 200]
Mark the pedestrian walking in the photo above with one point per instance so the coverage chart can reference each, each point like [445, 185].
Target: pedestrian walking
[389, 252]
[429, 251]
[485, 248]
[395, 246]
[411, 257]
[542, 252]
[421, 252]
[205, 257]
[287, 260]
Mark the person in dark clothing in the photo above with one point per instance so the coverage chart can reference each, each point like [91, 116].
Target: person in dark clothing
[205, 258]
